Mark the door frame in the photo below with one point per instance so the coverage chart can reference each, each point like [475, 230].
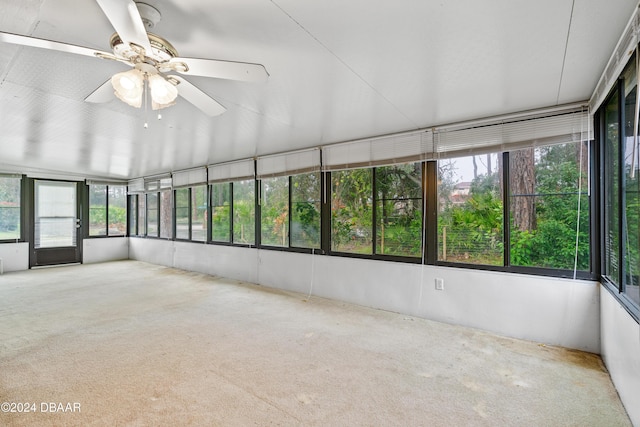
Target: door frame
[56, 255]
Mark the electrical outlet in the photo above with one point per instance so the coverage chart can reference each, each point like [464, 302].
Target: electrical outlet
[439, 284]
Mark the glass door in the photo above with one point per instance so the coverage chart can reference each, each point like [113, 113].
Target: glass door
[56, 223]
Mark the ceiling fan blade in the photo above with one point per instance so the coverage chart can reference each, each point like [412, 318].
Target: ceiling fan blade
[231, 70]
[104, 93]
[48, 44]
[126, 20]
[204, 102]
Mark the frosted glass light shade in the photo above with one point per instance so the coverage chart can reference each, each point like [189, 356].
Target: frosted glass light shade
[163, 93]
[129, 87]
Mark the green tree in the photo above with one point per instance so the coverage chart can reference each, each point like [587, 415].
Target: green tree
[552, 243]
[351, 211]
[305, 210]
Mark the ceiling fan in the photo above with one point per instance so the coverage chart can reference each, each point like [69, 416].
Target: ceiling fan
[154, 62]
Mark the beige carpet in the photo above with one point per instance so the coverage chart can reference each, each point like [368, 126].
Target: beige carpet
[134, 344]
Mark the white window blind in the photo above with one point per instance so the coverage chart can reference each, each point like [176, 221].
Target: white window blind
[190, 177]
[157, 183]
[619, 58]
[523, 132]
[105, 182]
[386, 150]
[232, 171]
[136, 186]
[292, 163]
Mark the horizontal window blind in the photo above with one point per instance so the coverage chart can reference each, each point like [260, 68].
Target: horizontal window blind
[292, 163]
[524, 132]
[619, 58]
[136, 186]
[386, 150]
[105, 182]
[190, 177]
[157, 183]
[232, 171]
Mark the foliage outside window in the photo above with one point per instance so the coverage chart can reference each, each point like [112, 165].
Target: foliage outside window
[166, 207]
[244, 211]
[221, 212]
[107, 210]
[191, 213]
[10, 208]
[133, 215]
[97, 210]
[142, 212]
[470, 210]
[152, 214]
[199, 213]
[351, 211]
[621, 216]
[305, 210]
[117, 210]
[275, 211]
[182, 213]
[547, 187]
[399, 210]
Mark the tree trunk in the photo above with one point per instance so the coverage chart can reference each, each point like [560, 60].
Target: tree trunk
[475, 168]
[523, 180]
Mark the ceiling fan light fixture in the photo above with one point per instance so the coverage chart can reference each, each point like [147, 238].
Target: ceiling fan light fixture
[162, 91]
[129, 87]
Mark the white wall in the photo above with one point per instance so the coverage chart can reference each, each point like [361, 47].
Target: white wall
[621, 352]
[15, 256]
[548, 310]
[105, 249]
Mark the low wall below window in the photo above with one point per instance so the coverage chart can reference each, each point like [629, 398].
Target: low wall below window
[548, 310]
[14, 256]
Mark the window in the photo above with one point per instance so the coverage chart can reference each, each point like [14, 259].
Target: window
[107, 210]
[351, 211]
[10, 207]
[133, 215]
[97, 210]
[117, 210]
[182, 213]
[166, 217]
[142, 222]
[305, 210]
[399, 210]
[191, 213]
[470, 210]
[620, 148]
[549, 204]
[221, 212]
[275, 211]
[244, 211]
[199, 213]
[152, 214]
[378, 211]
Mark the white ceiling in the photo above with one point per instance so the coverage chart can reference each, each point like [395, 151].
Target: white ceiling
[339, 70]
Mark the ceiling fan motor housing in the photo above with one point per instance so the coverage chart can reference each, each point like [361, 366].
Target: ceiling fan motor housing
[149, 14]
[162, 50]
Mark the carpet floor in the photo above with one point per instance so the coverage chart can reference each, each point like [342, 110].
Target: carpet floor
[133, 344]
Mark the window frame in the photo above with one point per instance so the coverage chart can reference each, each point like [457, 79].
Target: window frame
[156, 235]
[106, 208]
[22, 197]
[615, 286]
[374, 198]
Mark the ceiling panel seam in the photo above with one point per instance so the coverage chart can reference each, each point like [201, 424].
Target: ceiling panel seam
[566, 47]
[325, 47]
